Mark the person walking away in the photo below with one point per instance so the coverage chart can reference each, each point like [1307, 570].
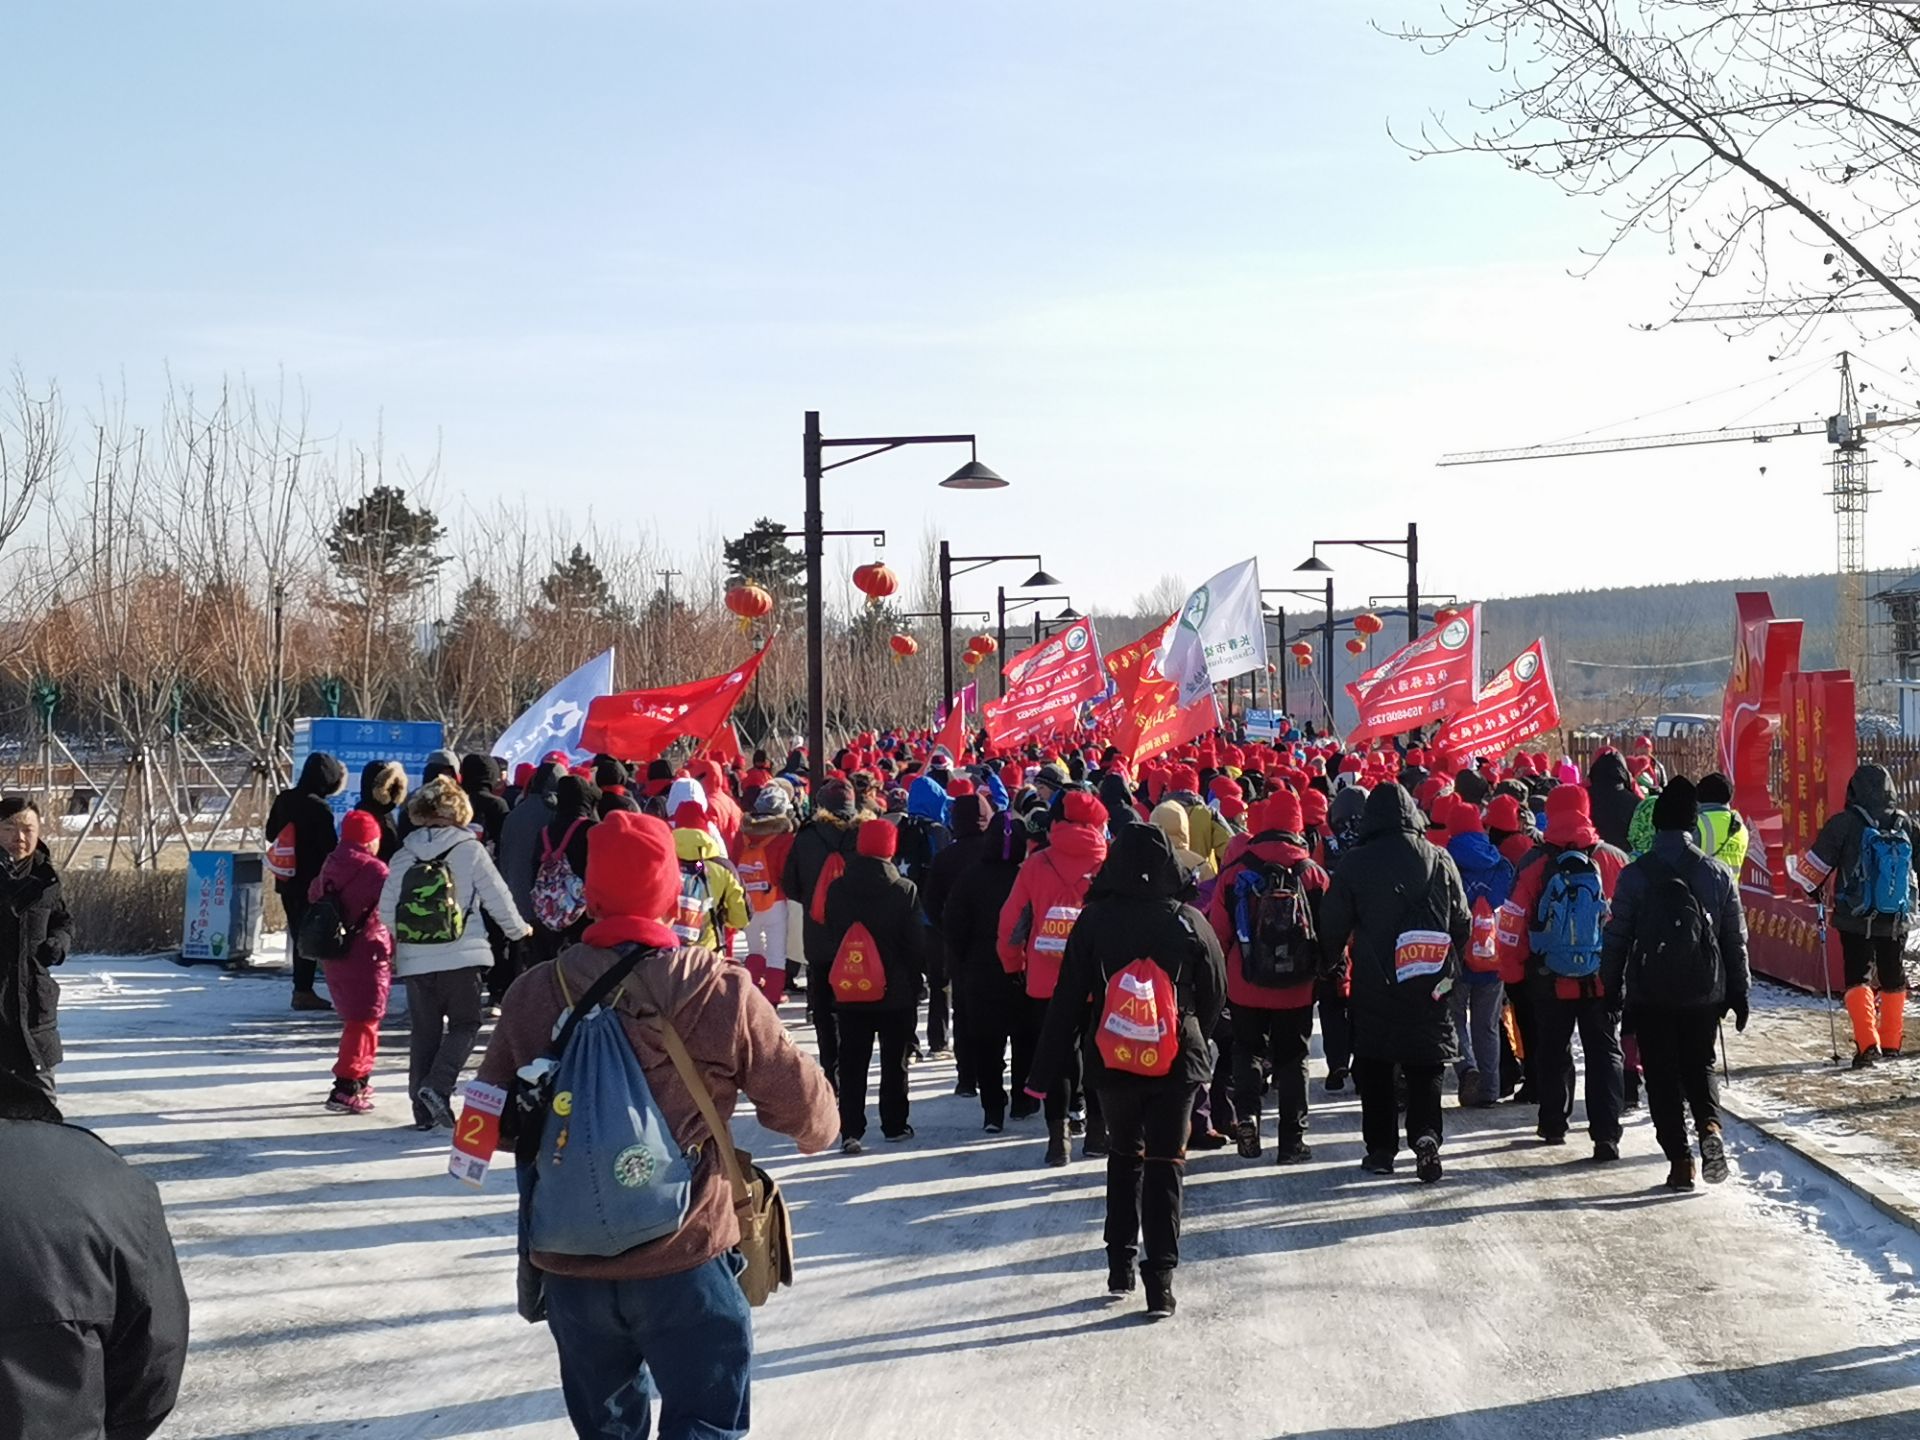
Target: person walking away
[518, 855]
[1723, 831]
[1487, 877]
[815, 860]
[440, 878]
[925, 833]
[667, 1317]
[995, 1001]
[35, 933]
[560, 875]
[1676, 952]
[1265, 913]
[480, 779]
[1397, 905]
[1868, 851]
[1034, 925]
[300, 836]
[712, 904]
[1141, 986]
[1553, 931]
[878, 934]
[360, 978]
[383, 788]
[95, 1335]
[1612, 799]
[1171, 817]
[765, 837]
[969, 818]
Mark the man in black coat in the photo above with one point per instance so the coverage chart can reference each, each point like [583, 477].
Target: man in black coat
[480, 777]
[1644, 962]
[829, 833]
[989, 998]
[970, 815]
[1399, 901]
[94, 1335]
[874, 894]
[303, 816]
[1134, 912]
[35, 931]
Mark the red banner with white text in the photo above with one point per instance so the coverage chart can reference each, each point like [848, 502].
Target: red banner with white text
[1046, 686]
[1516, 705]
[1149, 719]
[639, 725]
[1436, 675]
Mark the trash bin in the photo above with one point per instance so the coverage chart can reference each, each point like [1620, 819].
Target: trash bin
[225, 894]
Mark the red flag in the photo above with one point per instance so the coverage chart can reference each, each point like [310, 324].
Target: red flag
[640, 724]
[1046, 686]
[725, 746]
[1438, 674]
[1149, 717]
[953, 734]
[1516, 705]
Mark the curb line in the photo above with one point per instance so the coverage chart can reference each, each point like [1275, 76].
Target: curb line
[1890, 1203]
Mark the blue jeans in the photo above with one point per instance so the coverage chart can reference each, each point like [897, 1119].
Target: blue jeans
[693, 1331]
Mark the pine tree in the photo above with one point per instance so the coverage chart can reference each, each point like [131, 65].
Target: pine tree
[577, 586]
[763, 556]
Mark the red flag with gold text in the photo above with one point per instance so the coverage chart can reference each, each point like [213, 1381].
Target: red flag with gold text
[1433, 676]
[1514, 706]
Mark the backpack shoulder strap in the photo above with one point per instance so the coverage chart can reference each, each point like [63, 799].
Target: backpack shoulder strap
[703, 1098]
[616, 973]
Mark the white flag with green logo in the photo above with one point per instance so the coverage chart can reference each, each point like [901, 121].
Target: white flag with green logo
[1219, 633]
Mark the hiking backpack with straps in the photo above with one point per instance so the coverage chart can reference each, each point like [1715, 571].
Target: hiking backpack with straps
[559, 895]
[429, 911]
[1570, 917]
[693, 910]
[323, 931]
[1881, 882]
[1273, 922]
[1674, 961]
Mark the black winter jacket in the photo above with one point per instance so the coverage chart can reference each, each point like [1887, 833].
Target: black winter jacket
[970, 918]
[820, 837]
[478, 776]
[874, 894]
[1133, 912]
[1392, 882]
[1712, 883]
[1836, 851]
[314, 834]
[1612, 799]
[35, 931]
[380, 796]
[947, 868]
[94, 1334]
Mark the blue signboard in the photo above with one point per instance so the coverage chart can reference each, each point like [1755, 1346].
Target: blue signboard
[223, 906]
[358, 743]
[1262, 725]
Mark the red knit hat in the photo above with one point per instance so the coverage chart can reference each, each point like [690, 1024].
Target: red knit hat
[1279, 811]
[689, 816]
[522, 776]
[1083, 807]
[878, 840]
[631, 867]
[1464, 818]
[1569, 800]
[360, 828]
[1504, 814]
[1313, 807]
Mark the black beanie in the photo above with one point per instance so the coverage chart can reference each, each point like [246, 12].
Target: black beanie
[1714, 790]
[1678, 806]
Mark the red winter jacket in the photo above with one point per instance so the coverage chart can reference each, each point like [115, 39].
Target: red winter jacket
[1530, 880]
[1046, 900]
[360, 980]
[1269, 849]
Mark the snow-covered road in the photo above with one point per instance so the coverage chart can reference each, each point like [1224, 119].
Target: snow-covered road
[344, 1286]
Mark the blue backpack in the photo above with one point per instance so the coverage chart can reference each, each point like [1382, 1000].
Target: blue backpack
[1882, 879]
[601, 1172]
[1571, 915]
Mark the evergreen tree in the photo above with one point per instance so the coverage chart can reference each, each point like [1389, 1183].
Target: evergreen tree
[577, 586]
[384, 549]
[763, 556]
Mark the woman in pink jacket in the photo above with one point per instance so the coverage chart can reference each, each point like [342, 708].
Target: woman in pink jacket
[360, 980]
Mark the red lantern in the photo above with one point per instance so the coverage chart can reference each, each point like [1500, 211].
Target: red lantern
[903, 646]
[875, 581]
[985, 644]
[1303, 661]
[972, 659]
[1356, 647]
[1368, 623]
[749, 602]
[1272, 669]
[1301, 648]
[1446, 615]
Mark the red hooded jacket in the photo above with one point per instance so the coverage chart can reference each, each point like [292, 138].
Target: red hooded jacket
[1047, 898]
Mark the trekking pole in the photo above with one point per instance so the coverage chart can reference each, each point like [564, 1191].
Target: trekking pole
[1826, 975]
[1726, 1069]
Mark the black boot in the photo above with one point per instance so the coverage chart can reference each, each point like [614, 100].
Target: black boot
[1057, 1144]
[1119, 1277]
[1160, 1304]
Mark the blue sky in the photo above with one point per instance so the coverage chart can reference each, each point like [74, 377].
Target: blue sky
[1164, 259]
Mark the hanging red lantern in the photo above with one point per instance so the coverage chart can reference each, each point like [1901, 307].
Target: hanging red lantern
[749, 602]
[1303, 661]
[875, 581]
[1356, 647]
[1368, 623]
[972, 659]
[985, 644]
[1302, 648]
[1446, 615]
[1272, 669]
[903, 646]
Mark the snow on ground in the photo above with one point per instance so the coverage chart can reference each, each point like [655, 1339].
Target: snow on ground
[345, 1287]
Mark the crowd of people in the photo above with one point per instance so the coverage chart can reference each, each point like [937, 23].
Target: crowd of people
[1136, 957]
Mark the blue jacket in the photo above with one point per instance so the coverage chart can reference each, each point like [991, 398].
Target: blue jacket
[929, 801]
[1487, 875]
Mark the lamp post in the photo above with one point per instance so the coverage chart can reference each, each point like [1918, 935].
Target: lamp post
[813, 447]
[1045, 629]
[1004, 607]
[1326, 630]
[948, 560]
[1409, 551]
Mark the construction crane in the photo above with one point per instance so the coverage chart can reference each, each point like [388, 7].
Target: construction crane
[1846, 430]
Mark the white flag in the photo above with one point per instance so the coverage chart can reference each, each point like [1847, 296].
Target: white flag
[1220, 633]
[554, 721]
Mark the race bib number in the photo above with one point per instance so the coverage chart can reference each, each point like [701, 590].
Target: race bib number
[1420, 953]
[1055, 926]
[476, 1134]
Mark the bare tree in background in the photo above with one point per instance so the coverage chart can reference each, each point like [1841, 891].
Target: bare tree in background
[1773, 144]
[1164, 597]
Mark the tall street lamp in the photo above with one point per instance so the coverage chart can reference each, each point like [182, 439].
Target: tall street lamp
[1409, 549]
[813, 447]
[1046, 629]
[1326, 631]
[969, 564]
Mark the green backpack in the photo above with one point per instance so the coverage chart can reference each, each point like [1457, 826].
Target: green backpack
[429, 911]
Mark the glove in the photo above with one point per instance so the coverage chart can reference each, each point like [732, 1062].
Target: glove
[1738, 1009]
